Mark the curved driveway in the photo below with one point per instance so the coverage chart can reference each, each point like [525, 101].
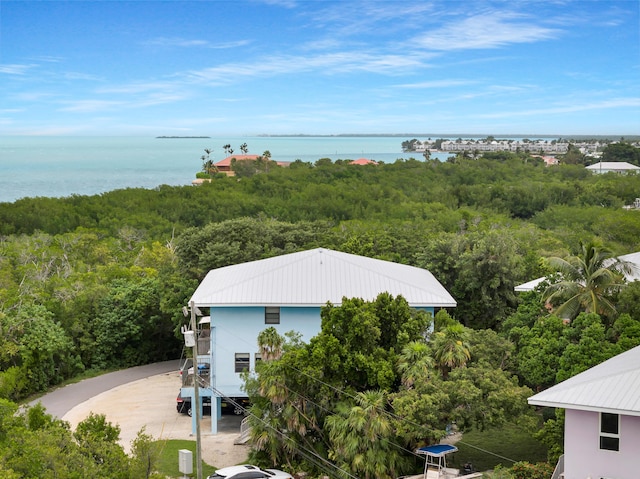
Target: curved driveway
[62, 400]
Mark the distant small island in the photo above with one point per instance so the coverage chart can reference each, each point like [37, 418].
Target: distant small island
[174, 137]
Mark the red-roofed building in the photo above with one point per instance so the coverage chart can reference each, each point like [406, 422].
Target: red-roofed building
[224, 166]
[363, 161]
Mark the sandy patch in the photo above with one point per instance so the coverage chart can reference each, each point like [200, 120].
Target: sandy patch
[151, 403]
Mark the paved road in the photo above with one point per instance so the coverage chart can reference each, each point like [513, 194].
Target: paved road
[62, 400]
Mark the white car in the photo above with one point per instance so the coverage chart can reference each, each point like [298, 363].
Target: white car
[247, 471]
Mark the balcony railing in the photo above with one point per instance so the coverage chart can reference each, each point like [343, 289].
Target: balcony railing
[204, 342]
[204, 371]
[558, 472]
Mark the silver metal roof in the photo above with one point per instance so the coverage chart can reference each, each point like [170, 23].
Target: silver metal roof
[313, 277]
[530, 285]
[612, 165]
[634, 259]
[612, 386]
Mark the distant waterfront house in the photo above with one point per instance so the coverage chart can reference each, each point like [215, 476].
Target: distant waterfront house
[287, 292]
[548, 160]
[363, 161]
[224, 166]
[602, 420]
[621, 167]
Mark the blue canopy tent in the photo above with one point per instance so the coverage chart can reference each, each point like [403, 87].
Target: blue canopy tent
[436, 456]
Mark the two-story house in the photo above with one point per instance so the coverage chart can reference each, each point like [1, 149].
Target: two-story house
[602, 419]
[287, 292]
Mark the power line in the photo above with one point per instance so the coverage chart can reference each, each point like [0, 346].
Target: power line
[310, 455]
[393, 415]
[384, 411]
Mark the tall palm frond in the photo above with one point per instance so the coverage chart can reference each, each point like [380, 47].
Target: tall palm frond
[588, 281]
[414, 363]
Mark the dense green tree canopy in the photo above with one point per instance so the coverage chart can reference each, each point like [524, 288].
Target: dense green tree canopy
[99, 281]
[622, 151]
[34, 445]
[369, 388]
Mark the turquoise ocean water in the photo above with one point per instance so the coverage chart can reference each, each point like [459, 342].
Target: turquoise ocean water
[63, 166]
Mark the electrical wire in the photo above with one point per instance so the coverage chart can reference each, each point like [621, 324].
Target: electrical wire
[347, 394]
[310, 455]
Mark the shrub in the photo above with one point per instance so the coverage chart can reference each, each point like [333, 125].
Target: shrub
[526, 470]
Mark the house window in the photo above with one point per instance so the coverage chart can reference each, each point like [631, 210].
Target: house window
[257, 358]
[242, 362]
[272, 315]
[609, 431]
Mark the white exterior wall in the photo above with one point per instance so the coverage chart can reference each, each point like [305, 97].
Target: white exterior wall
[235, 330]
[583, 456]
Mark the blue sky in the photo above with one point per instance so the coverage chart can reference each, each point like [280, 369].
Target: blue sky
[319, 67]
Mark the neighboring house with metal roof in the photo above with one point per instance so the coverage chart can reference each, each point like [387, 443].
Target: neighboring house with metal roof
[602, 421]
[613, 167]
[288, 292]
[634, 275]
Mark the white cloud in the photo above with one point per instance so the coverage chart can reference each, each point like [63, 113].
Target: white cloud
[486, 30]
[80, 76]
[323, 64]
[48, 59]
[436, 84]
[615, 103]
[280, 3]
[136, 88]
[91, 106]
[15, 68]
[182, 42]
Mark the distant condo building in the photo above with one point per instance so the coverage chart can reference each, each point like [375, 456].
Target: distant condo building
[534, 146]
[538, 146]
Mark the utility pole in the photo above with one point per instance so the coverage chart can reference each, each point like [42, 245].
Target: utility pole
[196, 392]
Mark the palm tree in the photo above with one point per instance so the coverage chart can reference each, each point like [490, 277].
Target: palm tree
[414, 363]
[362, 438]
[207, 164]
[587, 282]
[244, 148]
[270, 344]
[208, 167]
[450, 348]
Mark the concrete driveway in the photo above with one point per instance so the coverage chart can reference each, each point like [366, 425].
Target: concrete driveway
[145, 397]
[62, 400]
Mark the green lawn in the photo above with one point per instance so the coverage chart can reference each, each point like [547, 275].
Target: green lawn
[510, 442]
[168, 464]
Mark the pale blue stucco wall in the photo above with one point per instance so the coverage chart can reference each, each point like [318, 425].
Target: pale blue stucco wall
[235, 330]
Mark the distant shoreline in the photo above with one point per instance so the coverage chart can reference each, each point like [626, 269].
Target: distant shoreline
[181, 137]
